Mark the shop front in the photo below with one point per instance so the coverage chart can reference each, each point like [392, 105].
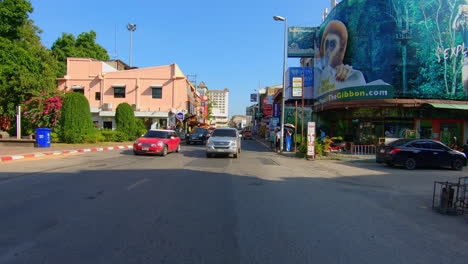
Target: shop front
[368, 125]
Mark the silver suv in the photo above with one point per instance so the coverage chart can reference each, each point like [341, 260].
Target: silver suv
[224, 141]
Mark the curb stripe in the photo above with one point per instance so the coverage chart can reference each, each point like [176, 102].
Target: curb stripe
[56, 153]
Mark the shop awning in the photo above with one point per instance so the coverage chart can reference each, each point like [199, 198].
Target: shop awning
[450, 106]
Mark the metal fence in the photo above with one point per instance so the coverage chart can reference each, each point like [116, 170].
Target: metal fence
[363, 150]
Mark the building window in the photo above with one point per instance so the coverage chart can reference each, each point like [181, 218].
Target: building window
[156, 92]
[97, 96]
[119, 92]
[81, 91]
[107, 124]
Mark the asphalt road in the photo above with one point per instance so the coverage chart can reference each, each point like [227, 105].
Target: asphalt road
[114, 207]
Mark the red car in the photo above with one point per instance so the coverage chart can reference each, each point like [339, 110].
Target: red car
[157, 141]
[247, 134]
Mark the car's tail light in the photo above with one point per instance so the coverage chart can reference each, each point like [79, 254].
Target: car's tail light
[394, 151]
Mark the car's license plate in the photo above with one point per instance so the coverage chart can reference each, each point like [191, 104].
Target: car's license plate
[145, 149]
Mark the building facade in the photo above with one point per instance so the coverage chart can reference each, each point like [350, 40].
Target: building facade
[219, 100]
[395, 78]
[156, 94]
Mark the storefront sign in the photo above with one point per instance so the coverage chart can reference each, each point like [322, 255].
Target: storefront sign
[253, 98]
[297, 87]
[274, 121]
[410, 134]
[180, 116]
[358, 92]
[276, 110]
[311, 139]
[267, 110]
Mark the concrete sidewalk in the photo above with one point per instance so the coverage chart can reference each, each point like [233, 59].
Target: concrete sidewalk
[16, 153]
[332, 155]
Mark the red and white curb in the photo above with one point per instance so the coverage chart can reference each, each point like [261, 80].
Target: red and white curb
[64, 152]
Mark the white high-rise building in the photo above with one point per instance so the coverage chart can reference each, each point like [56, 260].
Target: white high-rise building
[219, 100]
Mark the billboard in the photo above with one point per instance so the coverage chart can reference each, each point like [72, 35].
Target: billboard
[308, 81]
[407, 49]
[253, 98]
[301, 41]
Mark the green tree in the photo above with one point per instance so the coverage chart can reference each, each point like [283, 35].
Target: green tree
[210, 110]
[125, 120]
[76, 118]
[14, 16]
[83, 46]
[26, 66]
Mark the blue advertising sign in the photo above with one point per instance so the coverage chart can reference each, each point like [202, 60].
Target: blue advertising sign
[301, 41]
[308, 81]
[274, 121]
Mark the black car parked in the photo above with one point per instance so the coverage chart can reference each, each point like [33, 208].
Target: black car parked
[412, 153]
[199, 135]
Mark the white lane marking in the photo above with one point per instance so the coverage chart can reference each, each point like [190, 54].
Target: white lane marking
[136, 184]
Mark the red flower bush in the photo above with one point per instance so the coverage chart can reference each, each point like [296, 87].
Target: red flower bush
[44, 109]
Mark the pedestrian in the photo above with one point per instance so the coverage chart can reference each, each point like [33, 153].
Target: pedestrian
[322, 135]
[272, 138]
[288, 140]
[278, 140]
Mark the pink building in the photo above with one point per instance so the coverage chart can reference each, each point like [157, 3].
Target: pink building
[157, 94]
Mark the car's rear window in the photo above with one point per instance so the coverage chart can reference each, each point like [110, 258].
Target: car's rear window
[200, 130]
[399, 142]
[224, 133]
[156, 134]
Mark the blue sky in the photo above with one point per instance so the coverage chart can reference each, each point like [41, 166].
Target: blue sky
[227, 44]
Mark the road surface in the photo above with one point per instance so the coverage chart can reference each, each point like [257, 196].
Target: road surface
[114, 207]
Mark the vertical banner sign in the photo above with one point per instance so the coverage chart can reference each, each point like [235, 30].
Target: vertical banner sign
[297, 87]
[276, 110]
[311, 139]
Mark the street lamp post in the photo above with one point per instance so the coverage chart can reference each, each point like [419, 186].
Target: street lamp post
[285, 56]
[131, 28]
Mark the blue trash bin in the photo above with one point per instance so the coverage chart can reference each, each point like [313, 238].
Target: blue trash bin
[43, 137]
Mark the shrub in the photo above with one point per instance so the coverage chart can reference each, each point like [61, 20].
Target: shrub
[140, 128]
[125, 120]
[76, 118]
[42, 110]
[302, 150]
[120, 137]
[318, 146]
[54, 137]
[113, 136]
[92, 137]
